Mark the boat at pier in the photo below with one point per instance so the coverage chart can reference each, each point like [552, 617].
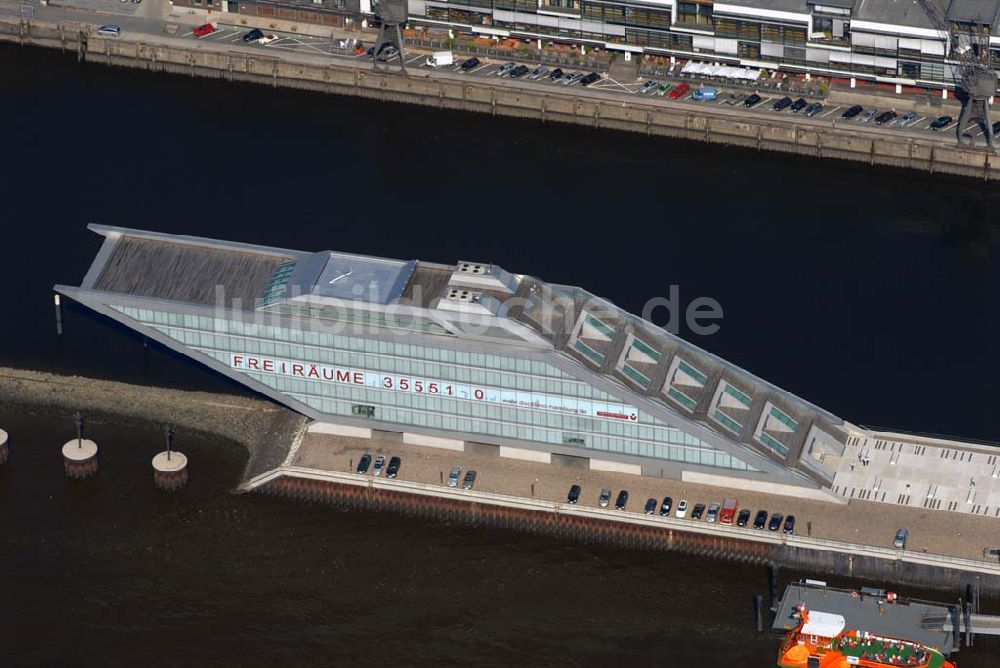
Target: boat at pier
[821, 641]
[827, 627]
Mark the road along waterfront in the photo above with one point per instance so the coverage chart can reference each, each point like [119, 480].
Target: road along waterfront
[448, 90]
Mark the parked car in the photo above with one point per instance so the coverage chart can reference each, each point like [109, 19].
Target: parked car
[538, 72]
[940, 122]
[574, 494]
[900, 539]
[885, 117]
[453, 476]
[393, 467]
[852, 112]
[813, 109]
[705, 94]
[799, 105]
[680, 90]
[752, 101]
[364, 463]
[593, 77]
[760, 520]
[789, 524]
[775, 522]
[379, 465]
[267, 39]
[682, 508]
[388, 53]
[650, 506]
[869, 115]
[663, 89]
[735, 99]
[469, 480]
[698, 511]
[713, 512]
[605, 498]
[505, 69]
[666, 505]
[518, 72]
[649, 86]
[572, 79]
[252, 35]
[109, 31]
[782, 104]
[908, 119]
[744, 518]
[622, 499]
[469, 64]
[204, 29]
[556, 74]
[996, 128]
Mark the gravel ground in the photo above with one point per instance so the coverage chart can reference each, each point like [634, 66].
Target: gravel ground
[933, 531]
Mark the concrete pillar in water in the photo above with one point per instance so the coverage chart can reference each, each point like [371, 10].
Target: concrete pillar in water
[80, 455]
[4, 447]
[80, 458]
[170, 470]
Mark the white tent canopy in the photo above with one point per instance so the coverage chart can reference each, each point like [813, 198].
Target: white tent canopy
[723, 71]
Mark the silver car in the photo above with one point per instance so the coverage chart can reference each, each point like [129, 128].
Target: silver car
[900, 539]
[908, 119]
[869, 115]
[572, 79]
[649, 86]
[379, 465]
[456, 471]
[505, 69]
[605, 498]
[538, 72]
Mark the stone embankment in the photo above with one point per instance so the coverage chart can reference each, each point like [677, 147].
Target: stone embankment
[712, 124]
[264, 429]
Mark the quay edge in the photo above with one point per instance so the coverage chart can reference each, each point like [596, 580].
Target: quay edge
[601, 526]
[169, 55]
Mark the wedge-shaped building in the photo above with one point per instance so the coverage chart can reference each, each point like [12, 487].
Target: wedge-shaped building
[465, 352]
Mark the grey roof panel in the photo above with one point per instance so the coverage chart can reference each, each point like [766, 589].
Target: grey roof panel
[908, 13]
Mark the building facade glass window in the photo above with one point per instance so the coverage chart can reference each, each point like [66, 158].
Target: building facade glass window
[407, 403]
[694, 13]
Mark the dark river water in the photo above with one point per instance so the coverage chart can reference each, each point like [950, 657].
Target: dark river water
[871, 293]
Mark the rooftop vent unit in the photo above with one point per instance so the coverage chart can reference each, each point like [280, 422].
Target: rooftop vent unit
[483, 276]
[472, 267]
[467, 296]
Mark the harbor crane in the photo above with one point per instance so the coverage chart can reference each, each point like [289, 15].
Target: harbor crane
[968, 49]
[392, 16]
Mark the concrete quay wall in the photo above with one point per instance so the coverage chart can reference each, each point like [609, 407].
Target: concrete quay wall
[479, 95]
[630, 530]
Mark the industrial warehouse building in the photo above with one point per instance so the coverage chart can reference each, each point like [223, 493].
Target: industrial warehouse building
[893, 41]
[460, 353]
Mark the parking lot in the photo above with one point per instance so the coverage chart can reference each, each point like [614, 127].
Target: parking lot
[831, 114]
[733, 98]
[859, 521]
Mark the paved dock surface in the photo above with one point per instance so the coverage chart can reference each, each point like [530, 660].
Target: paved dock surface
[870, 523]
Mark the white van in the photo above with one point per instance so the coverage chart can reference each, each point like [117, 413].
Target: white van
[109, 31]
[440, 59]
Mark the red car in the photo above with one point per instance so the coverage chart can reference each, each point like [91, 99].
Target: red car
[206, 29]
[680, 91]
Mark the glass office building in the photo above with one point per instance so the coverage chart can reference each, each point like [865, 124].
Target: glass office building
[465, 351]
